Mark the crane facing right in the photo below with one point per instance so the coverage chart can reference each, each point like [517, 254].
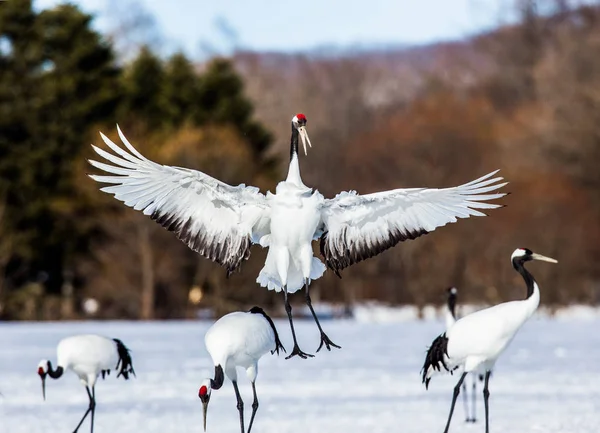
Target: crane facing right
[475, 341]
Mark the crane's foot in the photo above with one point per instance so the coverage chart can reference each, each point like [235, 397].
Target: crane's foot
[327, 342]
[473, 420]
[297, 352]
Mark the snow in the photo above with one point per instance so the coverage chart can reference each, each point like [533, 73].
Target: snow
[547, 381]
[376, 312]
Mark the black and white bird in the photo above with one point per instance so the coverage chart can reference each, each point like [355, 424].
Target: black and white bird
[475, 341]
[88, 356]
[450, 320]
[222, 222]
[238, 339]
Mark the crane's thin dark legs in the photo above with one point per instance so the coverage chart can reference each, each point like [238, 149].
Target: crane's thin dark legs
[465, 402]
[240, 405]
[474, 398]
[486, 396]
[296, 350]
[454, 397]
[324, 338]
[254, 407]
[90, 408]
[94, 406]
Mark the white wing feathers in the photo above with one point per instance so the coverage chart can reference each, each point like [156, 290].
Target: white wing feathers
[217, 220]
[358, 227]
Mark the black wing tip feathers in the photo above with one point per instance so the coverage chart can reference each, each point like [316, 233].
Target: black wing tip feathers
[125, 363]
[278, 345]
[337, 262]
[200, 242]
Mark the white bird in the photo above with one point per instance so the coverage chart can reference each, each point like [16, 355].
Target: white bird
[221, 222]
[476, 341]
[88, 356]
[450, 320]
[238, 339]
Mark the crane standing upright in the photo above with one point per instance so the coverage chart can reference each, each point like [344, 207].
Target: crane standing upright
[476, 341]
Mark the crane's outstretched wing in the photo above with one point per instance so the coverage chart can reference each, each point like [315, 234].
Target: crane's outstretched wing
[357, 227]
[217, 220]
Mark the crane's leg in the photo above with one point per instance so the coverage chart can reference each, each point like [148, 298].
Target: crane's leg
[94, 406]
[240, 405]
[89, 409]
[474, 398]
[296, 350]
[454, 397]
[254, 407]
[465, 402]
[486, 396]
[324, 338]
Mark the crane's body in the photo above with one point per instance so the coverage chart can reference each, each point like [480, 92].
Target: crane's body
[481, 337]
[222, 222]
[88, 356]
[238, 339]
[290, 263]
[475, 342]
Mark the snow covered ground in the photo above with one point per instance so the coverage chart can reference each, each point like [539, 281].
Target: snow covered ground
[547, 382]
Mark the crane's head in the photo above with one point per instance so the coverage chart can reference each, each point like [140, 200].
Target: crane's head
[204, 395]
[299, 122]
[452, 291]
[43, 372]
[525, 255]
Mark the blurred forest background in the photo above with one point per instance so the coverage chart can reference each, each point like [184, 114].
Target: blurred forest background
[524, 98]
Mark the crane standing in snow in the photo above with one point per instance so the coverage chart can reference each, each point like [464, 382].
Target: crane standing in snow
[450, 320]
[88, 356]
[476, 341]
[238, 339]
[221, 222]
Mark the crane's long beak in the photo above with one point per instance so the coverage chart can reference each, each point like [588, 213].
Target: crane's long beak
[536, 256]
[204, 411]
[304, 137]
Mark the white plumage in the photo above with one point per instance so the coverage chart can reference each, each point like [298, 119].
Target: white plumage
[475, 341]
[88, 356]
[238, 339]
[221, 222]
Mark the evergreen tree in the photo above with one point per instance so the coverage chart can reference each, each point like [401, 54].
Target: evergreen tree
[181, 90]
[57, 78]
[144, 86]
[221, 100]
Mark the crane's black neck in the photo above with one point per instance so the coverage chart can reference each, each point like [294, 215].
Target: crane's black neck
[519, 265]
[294, 143]
[217, 382]
[55, 374]
[452, 304]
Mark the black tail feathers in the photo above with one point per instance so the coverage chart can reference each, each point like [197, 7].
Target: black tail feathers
[125, 364]
[435, 357]
[278, 345]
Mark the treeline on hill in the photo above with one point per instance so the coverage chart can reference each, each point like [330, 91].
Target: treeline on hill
[524, 99]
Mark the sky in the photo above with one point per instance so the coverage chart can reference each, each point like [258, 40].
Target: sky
[200, 26]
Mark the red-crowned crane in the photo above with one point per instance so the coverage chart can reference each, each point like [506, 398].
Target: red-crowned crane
[221, 222]
[450, 320]
[238, 339]
[475, 341]
[88, 356]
